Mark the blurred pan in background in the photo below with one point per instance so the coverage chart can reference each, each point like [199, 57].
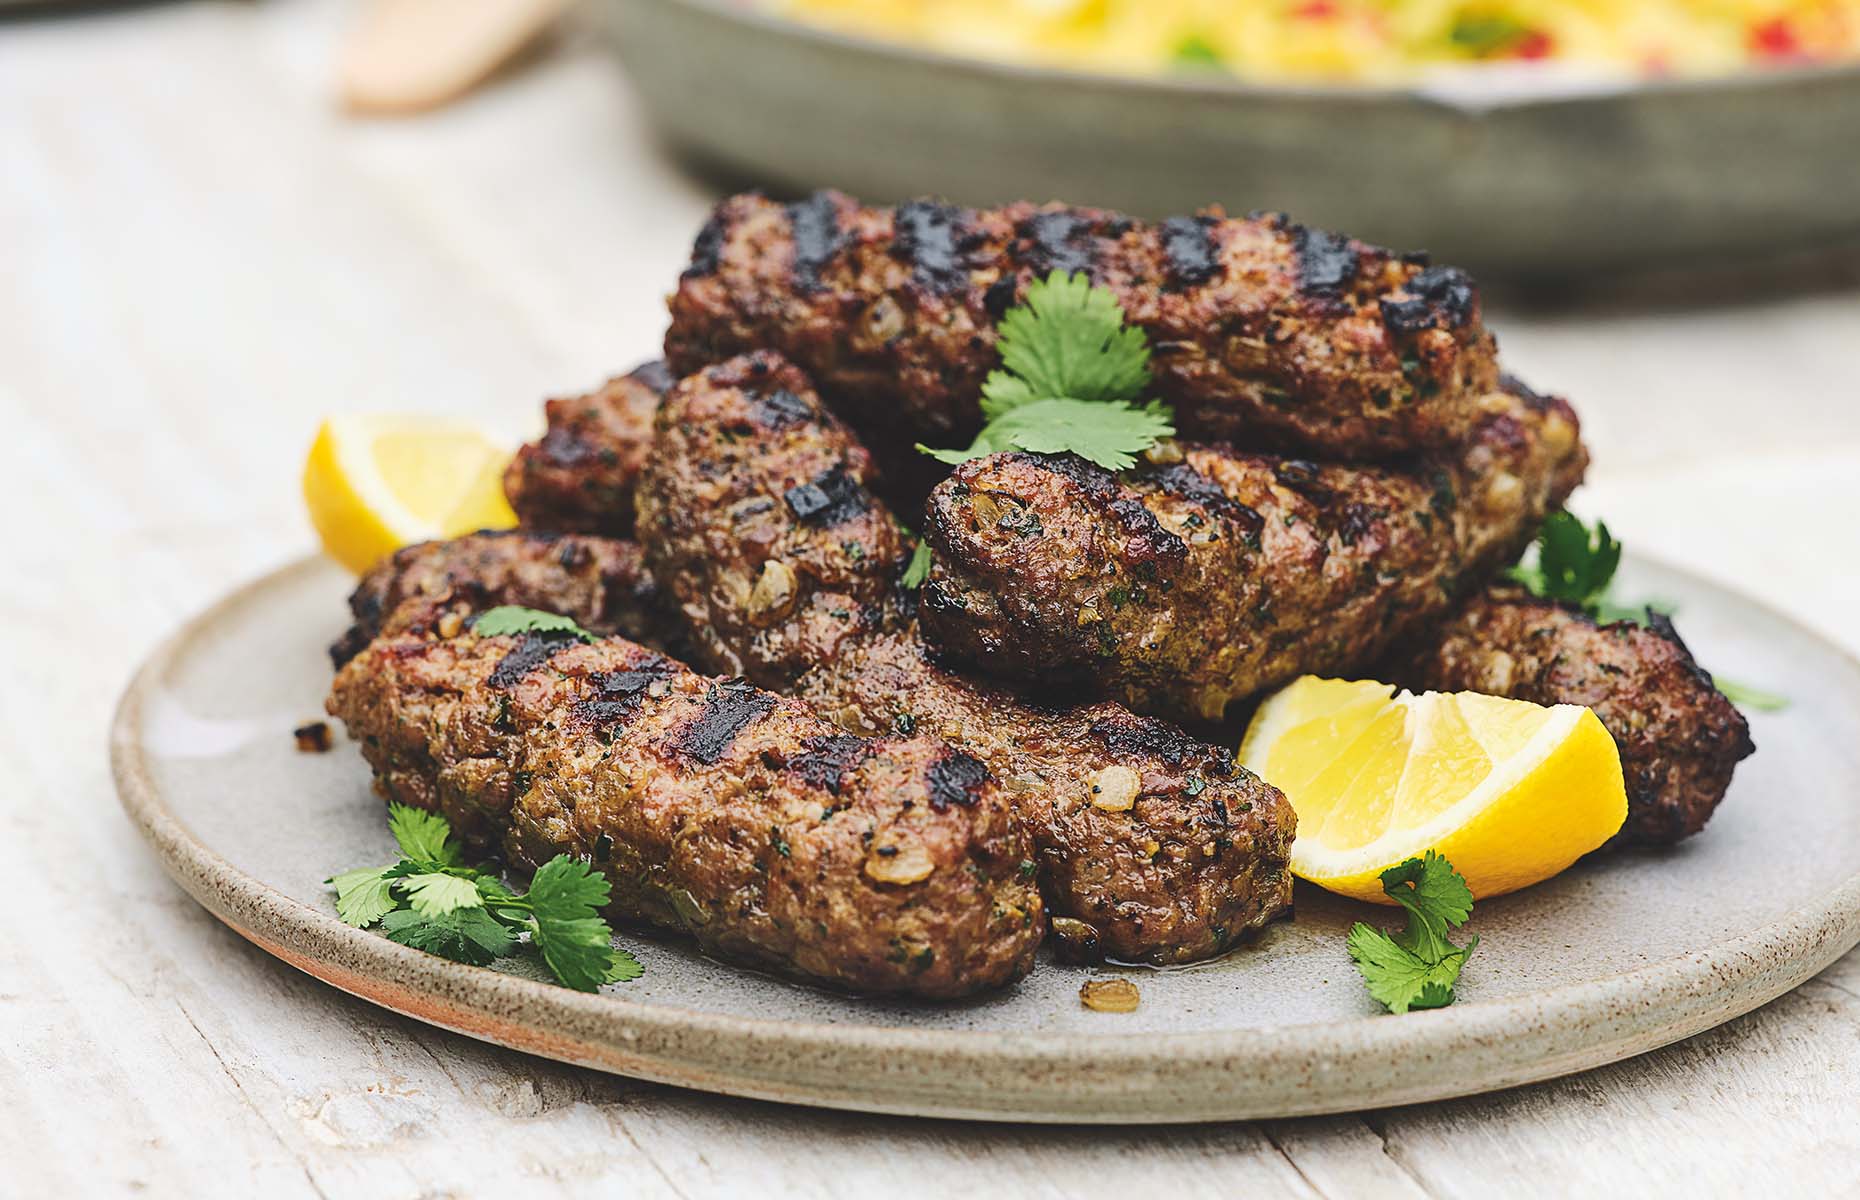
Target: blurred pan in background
[1512, 175]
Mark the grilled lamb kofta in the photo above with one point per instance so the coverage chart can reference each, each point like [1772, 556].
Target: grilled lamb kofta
[1151, 845]
[578, 477]
[755, 511]
[1263, 332]
[600, 582]
[1679, 737]
[1185, 585]
[892, 865]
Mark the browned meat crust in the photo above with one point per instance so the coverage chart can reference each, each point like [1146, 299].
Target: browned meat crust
[756, 515]
[1152, 845]
[1679, 738]
[1182, 587]
[601, 583]
[1195, 863]
[578, 477]
[1263, 331]
[887, 866]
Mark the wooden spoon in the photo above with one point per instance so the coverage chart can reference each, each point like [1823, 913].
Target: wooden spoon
[408, 55]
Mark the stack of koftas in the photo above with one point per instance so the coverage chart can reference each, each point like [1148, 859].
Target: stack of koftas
[776, 747]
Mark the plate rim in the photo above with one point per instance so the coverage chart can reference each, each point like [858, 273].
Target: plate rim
[1533, 1036]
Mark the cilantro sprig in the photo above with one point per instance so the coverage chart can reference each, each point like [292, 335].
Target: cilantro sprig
[432, 901]
[1576, 564]
[1071, 380]
[510, 620]
[1417, 967]
[1746, 695]
[919, 568]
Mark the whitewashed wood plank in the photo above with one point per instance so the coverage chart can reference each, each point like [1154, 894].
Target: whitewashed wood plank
[1768, 1096]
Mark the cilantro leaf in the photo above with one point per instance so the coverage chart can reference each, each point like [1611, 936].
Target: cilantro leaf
[625, 968]
[467, 935]
[494, 892]
[578, 950]
[1397, 978]
[422, 836]
[363, 896]
[1576, 564]
[1109, 434]
[565, 898]
[566, 887]
[508, 620]
[1066, 339]
[919, 570]
[1002, 393]
[435, 894]
[986, 442]
[1746, 696]
[1417, 967]
[1437, 900]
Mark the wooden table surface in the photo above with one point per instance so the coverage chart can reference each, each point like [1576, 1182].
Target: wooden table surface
[199, 258]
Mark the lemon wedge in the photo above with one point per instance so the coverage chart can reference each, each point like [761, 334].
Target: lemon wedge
[376, 483]
[1510, 792]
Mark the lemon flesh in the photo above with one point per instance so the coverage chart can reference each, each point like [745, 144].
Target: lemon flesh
[375, 484]
[1510, 792]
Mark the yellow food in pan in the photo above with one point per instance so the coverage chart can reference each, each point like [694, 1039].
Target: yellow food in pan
[1367, 40]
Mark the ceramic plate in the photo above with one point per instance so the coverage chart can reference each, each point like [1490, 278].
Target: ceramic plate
[1613, 958]
[1512, 174]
